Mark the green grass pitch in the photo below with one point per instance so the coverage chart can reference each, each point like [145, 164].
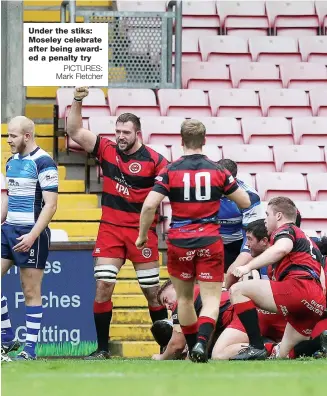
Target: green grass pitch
[148, 378]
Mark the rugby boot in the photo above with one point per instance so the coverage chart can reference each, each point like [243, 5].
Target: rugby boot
[251, 353]
[10, 346]
[199, 353]
[4, 357]
[98, 355]
[23, 356]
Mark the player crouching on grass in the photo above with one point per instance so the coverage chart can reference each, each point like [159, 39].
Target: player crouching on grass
[295, 291]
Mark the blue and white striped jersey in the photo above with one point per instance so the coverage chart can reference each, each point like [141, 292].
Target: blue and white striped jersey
[233, 220]
[26, 178]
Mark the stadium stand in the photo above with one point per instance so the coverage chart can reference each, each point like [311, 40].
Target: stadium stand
[263, 65]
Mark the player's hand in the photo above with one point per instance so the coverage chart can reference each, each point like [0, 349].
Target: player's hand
[240, 271]
[157, 356]
[25, 244]
[81, 92]
[140, 242]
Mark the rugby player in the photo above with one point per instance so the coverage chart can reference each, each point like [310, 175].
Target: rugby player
[233, 220]
[32, 180]
[295, 291]
[194, 185]
[169, 334]
[129, 169]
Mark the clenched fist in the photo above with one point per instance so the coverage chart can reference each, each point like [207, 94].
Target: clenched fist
[81, 93]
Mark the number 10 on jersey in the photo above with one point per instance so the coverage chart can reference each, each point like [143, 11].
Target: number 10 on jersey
[201, 193]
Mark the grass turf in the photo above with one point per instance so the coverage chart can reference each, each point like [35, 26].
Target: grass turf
[144, 377]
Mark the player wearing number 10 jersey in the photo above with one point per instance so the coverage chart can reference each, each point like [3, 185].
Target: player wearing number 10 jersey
[194, 186]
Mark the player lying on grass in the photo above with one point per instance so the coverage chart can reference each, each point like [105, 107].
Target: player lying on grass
[295, 289]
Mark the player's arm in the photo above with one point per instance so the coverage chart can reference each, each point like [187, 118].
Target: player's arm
[272, 255]
[175, 346]
[233, 192]
[4, 205]
[323, 279]
[242, 259]
[148, 213]
[75, 130]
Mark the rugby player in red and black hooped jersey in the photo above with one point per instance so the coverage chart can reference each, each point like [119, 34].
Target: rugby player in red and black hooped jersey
[129, 171]
[194, 186]
[295, 289]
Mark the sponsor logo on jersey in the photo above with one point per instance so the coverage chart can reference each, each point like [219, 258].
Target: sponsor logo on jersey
[12, 183]
[185, 275]
[135, 167]
[205, 275]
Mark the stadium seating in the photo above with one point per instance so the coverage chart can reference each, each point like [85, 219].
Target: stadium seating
[224, 49]
[161, 149]
[59, 235]
[243, 18]
[140, 101]
[183, 102]
[276, 50]
[142, 6]
[236, 103]
[321, 9]
[314, 48]
[293, 185]
[205, 76]
[318, 101]
[190, 49]
[285, 103]
[317, 183]
[304, 75]
[255, 75]
[310, 130]
[222, 130]
[200, 14]
[314, 214]
[269, 131]
[247, 178]
[292, 18]
[162, 130]
[104, 126]
[303, 159]
[251, 158]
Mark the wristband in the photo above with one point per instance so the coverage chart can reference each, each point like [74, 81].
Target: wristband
[78, 100]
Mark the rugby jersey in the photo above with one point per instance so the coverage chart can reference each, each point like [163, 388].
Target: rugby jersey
[127, 180]
[233, 220]
[26, 178]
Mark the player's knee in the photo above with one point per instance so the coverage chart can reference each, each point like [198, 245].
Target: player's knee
[235, 292]
[148, 278]
[106, 274]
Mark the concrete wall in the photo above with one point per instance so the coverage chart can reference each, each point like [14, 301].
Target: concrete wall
[12, 90]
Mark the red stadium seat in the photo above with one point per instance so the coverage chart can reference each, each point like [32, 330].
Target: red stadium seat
[285, 103]
[314, 49]
[224, 49]
[162, 130]
[190, 49]
[311, 233]
[196, 33]
[139, 101]
[251, 158]
[321, 9]
[314, 214]
[318, 100]
[292, 18]
[200, 14]
[270, 131]
[212, 152]
[317, 183]
[310, 130]
[303, 159]
[304, 75]
[293, 185]
[246, 178]
[236, 103]
[161, 149]
[277, 50]
[104, 126]
[183, 102]
[243, 18]
[222, 130]
[141, 6]
[255, 75]
[205, 75]
[65, 96]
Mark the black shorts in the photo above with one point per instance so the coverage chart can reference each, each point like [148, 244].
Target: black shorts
[231, 250]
